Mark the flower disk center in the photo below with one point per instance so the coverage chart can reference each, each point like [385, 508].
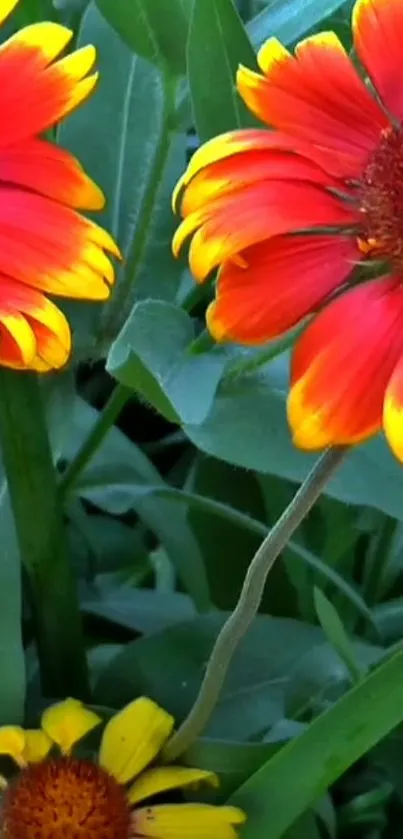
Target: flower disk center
[65, 798]
[381, 195]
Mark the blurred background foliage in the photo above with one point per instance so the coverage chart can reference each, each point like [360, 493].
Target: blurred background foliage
[174, 459]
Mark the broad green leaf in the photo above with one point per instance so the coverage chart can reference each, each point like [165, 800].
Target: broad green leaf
[289, 20]
[152, 356]
[169, 668]
[217, 44]
[335, 632]
[115, 136]
[154, 29]
[247, 427]
[233, 761]
[289, 784]
[140, 610]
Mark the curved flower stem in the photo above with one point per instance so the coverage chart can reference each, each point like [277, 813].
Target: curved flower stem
[116, 402]
[40, 532]
[249, 601]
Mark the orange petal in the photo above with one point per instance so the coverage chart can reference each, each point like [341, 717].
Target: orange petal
[378, 35]
[36, 93]
[35, 334]
[53, 248]
[281, 281]
[234, 173]
[318, 97]
[236, 143]
[254, 214]
[393, 411]
[47, 169]
[342, 364]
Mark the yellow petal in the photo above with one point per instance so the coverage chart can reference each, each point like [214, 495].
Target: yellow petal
[67, 722]
[133, 737]
[179, 821]
[37, 745]
[12, 743]
[163, 778]
[6, 7]
[46, 37]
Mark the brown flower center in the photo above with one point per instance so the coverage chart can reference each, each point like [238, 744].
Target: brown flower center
[381, 198]
[65, 798]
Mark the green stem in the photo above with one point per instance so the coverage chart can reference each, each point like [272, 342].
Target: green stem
[91, 444]
[121, 303]
[40, 531]
[249, 601]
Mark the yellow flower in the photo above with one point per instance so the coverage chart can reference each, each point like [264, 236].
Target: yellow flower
[58, 795]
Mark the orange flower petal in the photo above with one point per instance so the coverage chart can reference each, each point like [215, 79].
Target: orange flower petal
[316, 96]
[234, 143]
[254, 214]
[393, 411]
[378, 35]
[281, 281]
[35, 93]
[233, 173]
[342, 365]
[53, 248]
[50, 170]
[34, 334]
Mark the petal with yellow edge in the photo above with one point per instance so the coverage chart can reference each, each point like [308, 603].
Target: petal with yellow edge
[179, 821]
[49, 170]
[36, 93]
[316, 96]
[12, 743]
[164, 778]
[378, 33]
[393, 411]
[67, 722]
[133, 738]
[342, 364]
[37, 745]
[6, 7]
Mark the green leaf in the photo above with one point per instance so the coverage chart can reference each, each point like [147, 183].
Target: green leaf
[152, 356]
[164, 518]
[217, 44]
[289, 783]
[334, 630]
[154, 29]
[140, 610]
[169, 667]
[247, 427]
[288, 20]
[115, 137]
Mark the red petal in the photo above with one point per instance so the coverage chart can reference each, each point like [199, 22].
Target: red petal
[36, 94]
[230, 224]
[342, 364]
[283, 280]
[234, 173]
[378, 36]
[316, 96]
[49, 170]
[53, 248]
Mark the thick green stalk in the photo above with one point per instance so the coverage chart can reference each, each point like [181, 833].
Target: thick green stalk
[40, 531]
[249, 601]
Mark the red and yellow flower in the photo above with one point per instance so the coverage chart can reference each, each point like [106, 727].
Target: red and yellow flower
[46, 246]
[56, 794]
[287, 215]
